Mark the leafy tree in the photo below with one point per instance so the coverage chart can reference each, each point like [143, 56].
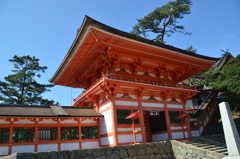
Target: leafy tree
[202, 78]
[21, 87]
[228, 81]
[225, 80]
[163, 21]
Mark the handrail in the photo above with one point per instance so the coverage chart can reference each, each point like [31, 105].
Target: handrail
[209, 96]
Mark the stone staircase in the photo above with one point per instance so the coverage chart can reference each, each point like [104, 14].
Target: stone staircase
[214, 148]
[212, 138]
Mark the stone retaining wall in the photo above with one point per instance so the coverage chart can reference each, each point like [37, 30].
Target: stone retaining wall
[153, 150]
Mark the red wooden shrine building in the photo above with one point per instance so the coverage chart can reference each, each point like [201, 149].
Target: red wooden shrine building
[131, 95]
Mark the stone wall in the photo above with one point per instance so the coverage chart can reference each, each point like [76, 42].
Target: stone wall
[153, 150]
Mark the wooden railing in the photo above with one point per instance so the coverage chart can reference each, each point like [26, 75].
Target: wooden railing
[152, 82]
[203, 113]
[135, 80]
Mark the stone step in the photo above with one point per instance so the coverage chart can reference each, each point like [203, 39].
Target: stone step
[207, 144]
[203, 145]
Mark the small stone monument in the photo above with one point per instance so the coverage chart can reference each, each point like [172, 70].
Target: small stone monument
[230, 132]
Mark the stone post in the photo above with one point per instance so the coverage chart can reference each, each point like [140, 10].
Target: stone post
[230, 132]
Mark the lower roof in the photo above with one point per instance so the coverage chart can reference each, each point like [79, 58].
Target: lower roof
[7, 110]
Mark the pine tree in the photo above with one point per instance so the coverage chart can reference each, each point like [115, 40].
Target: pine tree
[21, 87]
[191, 49]
[163, 21]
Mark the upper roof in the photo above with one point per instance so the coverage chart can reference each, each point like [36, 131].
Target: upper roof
[46, 111]
[226, 57]
[94, 36]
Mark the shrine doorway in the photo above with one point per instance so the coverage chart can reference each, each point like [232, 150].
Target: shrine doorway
[155, 123]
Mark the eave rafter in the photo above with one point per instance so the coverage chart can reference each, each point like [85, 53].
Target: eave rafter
[118, 42]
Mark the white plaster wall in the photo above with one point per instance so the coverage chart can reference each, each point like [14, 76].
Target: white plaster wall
[192, 119]
[206, 121]
[128, 129]
[145, 97]
[47, 147]
[124, 129]
[195, 133]
[140, 73]
[139, 138]
[159, 137]
[128, 71]
[48, 122]
[152, 75]
[3, 150]
[105, 106]
[4, 122]
[177, 127]
[133, 96]
[106, 122]
[24, 122]
[174, 106]
[125, 138]
[201, 130]
[186, 134]
[90, 144]
[23, 148]
[119, 95]
[169, 99]
[189, 103]
[70, 146]
[158, 98]
[69, 122]
[88, 121]
[177, 135]
[158, 105]
[107, 140]
[139, 129]
[178, 100]
[126, 103]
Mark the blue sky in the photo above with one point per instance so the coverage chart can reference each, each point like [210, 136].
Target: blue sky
[47, 28]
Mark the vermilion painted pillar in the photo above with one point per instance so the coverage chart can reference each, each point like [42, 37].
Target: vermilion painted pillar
[141, 120]
[183, 129]
[133, 129]
[114, 122]
[59, 136]
[99, 139]
[10, 137]
[188, 128]
[187, 121]
[167, 120]
[36, 137]
[80, 133]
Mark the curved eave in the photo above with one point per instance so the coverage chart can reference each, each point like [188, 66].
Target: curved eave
[83, 32]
